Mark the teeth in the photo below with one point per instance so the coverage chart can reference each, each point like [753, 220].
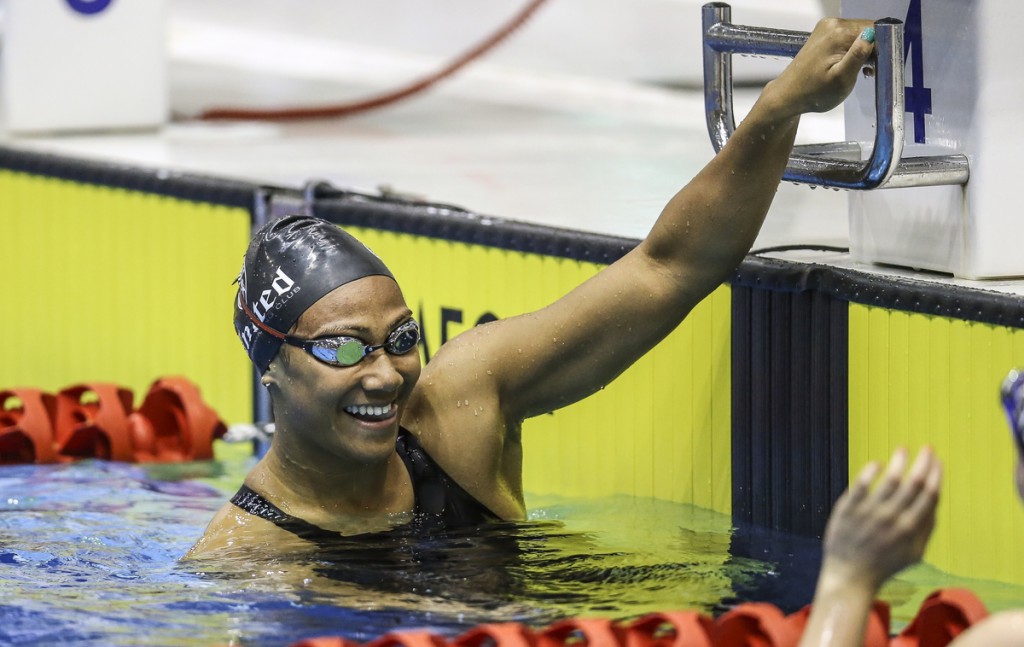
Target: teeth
[364, 410]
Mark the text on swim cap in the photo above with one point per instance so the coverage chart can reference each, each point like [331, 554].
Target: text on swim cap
[280, 286]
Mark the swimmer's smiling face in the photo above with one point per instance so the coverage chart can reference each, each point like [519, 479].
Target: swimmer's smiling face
[348, 411]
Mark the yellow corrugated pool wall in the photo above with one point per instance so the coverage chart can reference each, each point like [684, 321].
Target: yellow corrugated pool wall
[105, 284]
[917, 380]
[662, 429]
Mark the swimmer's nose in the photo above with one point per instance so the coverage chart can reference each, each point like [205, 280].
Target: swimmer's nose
[380, 374]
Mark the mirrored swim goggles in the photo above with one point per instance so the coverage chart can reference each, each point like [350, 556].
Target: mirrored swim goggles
[349, 351]
[1012, 393]
[343, 350]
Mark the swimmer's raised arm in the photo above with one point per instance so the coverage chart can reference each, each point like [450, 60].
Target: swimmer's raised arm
[550, 358]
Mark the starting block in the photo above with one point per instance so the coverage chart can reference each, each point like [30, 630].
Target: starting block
[930, 143]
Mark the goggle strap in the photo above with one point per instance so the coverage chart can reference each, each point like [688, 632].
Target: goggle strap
[262, 326]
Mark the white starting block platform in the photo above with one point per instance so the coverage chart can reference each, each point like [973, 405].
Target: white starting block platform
[963, 92]
[930, 143]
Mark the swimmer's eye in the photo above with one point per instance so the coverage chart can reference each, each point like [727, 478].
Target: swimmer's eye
[404, 338]
[344, 351]
[349, 351]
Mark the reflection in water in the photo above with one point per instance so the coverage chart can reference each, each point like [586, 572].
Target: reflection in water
[534, 572]
[89, 553]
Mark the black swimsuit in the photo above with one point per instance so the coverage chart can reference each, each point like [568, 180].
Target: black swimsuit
[440, 502]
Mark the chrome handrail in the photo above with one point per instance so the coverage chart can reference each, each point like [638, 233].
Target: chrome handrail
[836, 164]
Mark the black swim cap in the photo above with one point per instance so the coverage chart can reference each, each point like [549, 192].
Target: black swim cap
[290, 264]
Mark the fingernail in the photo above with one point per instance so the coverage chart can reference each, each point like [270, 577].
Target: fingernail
[868, 34]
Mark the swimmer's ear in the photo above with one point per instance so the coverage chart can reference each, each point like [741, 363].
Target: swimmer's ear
[268, 378]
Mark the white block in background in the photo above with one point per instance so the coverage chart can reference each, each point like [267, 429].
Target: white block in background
[970, 54]
[72, 65]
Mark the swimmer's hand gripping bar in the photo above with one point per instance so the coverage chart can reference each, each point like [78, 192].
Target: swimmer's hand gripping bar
[836, 164]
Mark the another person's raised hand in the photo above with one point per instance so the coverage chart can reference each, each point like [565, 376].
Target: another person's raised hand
[873, 534]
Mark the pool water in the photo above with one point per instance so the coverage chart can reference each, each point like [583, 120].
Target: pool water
[89, 554]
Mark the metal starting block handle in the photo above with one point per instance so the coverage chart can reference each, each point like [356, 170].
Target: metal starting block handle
[836, 164]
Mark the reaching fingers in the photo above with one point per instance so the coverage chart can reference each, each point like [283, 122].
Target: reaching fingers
[922, 508]
[911, 487]
[857, 54]
[919, 518]
[862, 485]
[893, 475]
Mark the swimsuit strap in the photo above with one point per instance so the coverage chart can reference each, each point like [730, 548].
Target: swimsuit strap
[255, 504]
[440, 502]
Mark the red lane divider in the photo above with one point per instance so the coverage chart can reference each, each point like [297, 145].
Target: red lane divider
[26, 426]
[592, 632]
[96, 420]
[508, 634]
[670, 629]
[943, 615]
[174, 424]
[755, 624]
[92, 422]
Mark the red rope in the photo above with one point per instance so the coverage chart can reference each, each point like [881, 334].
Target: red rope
[370, 103]
[944, 614]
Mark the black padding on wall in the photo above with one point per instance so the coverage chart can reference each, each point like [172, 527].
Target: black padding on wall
[941, 299]
[173, 184]
[789, 407]
[459, 225]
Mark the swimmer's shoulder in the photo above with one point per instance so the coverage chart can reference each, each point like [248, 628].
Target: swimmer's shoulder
[456, 415]
[466, 435]
[1004, 629]
[232, 527]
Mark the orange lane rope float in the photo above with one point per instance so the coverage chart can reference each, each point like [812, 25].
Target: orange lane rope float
[96, 420]
[944, 615]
